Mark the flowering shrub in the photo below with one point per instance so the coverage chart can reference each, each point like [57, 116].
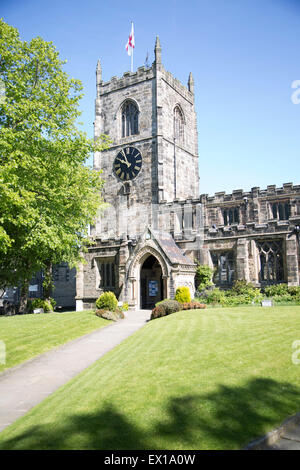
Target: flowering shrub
[192, 305]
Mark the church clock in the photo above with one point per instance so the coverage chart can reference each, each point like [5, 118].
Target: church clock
[127, 164]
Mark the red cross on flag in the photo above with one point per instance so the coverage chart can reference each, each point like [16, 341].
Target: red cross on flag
[130, 43]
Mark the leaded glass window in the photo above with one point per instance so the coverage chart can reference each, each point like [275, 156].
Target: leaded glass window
[224, 268]
[270, 262]
[178, 125]
[107, 275]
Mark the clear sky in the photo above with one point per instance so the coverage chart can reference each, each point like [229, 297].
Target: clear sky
[244, 55]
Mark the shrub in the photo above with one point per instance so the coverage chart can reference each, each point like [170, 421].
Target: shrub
[165, 307]
[215, 296]
[114, 316]
[203, 277]
[170, 306]
[160, 302]
[197, 305]
[283, 298]
[283, 293]
[107, 301]
[125, 306]
[119, 312]
[183, 294]
[158, 312]
[192, 305]
[294, 291]
[244, 288]
[276, 289]
[41, 303]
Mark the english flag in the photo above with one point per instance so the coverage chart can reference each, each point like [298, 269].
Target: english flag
[130, 43]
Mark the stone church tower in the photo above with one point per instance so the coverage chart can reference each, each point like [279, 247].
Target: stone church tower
[156, 225]
[153, 161]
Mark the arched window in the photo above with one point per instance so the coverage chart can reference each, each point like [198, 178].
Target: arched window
[178, 125]
[130, 119]
[224, 268]
[271, 262]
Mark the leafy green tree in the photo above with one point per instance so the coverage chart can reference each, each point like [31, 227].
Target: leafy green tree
[47, 194]
[203, 277]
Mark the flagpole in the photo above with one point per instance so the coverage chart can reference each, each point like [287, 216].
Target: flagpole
[132, 51]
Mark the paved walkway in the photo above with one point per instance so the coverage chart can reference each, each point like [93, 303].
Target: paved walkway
[289, 440]
[26, 385]
[286, 437]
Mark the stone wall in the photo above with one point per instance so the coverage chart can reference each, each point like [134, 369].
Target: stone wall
[256, 225]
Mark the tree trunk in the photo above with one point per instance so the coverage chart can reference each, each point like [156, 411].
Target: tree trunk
[24, 297]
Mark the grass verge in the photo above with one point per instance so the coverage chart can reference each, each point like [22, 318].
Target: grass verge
[201, 379]
[26, 336]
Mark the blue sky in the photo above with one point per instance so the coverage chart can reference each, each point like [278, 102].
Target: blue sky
[244, 55]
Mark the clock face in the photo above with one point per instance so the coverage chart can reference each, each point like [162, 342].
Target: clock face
[127, 164]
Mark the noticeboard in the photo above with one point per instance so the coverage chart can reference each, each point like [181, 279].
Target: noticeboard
[153, 288]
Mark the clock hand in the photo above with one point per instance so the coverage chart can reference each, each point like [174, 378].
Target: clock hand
[127, 162]
[122, 161]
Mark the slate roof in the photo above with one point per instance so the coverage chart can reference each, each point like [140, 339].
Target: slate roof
[168, 245]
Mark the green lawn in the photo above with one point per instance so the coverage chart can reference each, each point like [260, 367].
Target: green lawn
[202, 379]
[26, 336]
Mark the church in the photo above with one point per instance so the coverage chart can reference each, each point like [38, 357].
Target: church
[156, 227]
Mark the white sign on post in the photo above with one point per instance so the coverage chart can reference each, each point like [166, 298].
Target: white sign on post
[267, 303]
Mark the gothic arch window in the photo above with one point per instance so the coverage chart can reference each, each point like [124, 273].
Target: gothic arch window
[271, 262]
[129, 118]
[224, 268]
[178, 125]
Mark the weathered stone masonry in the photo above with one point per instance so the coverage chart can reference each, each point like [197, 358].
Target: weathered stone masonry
[157, 225]
[266, 228]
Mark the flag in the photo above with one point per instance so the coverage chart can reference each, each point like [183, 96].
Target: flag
[130, 43]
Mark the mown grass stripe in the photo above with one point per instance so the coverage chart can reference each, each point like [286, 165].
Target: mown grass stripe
[212, 379]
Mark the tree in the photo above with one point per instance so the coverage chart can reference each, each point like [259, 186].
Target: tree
[47, 194]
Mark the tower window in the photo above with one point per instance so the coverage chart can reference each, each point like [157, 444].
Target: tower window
[231, 216]
[130, 119]
[178, 125]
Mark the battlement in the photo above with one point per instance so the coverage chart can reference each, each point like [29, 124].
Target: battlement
[177, 85]
[287, 189]
[128, 79]
[142, 74]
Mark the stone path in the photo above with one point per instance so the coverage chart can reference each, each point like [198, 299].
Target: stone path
[289, 440]
[26, 385]
[286, 437]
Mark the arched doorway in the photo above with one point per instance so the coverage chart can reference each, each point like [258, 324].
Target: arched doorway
[151, 283]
